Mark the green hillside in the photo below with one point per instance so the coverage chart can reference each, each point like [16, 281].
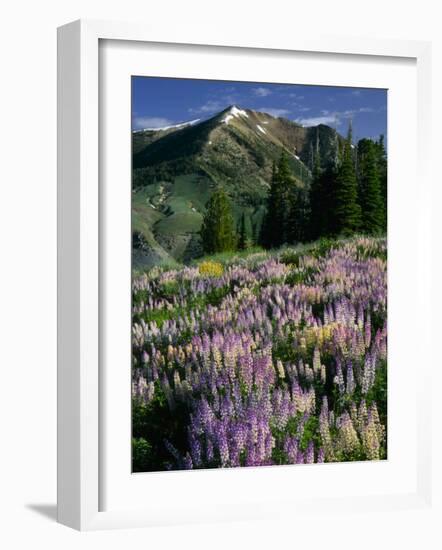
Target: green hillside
[176, 169]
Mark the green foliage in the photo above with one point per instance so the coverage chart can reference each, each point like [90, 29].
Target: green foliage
[378, 393]
[138, 240]
[168, 289]
[310, 433]
[215, 296]
[343, 200]
[381, 159]
[217, 231]
[347, 209]
[242, 235]
[152, 424]
[299, 215]
[175, 148]
[276, 224]
[141, 454]
[322, 195]
[370, 190]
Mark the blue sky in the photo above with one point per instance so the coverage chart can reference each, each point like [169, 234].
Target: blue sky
[159, 102]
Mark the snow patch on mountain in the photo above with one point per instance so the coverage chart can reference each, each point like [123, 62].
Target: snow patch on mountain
[227, 118]
[179, 125]
[261, 129]
[234, 112]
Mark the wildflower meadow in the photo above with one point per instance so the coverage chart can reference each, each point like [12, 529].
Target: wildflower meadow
[262, 358]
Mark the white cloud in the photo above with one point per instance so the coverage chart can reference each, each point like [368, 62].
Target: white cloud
[139, 123]
[274, 111]
[211, 106]
[315, 120]
[261, 91]
[332, 117]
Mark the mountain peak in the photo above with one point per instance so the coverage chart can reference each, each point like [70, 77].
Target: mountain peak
[233, 111]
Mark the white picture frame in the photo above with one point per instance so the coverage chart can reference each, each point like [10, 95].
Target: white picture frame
[80, 438]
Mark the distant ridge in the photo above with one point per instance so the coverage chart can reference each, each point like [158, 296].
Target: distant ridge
[177, 126]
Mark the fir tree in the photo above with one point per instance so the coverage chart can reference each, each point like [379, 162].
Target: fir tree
[299, 213]
[311, 158]
[328, 219]
[370, 190]
[363, 147]
[337, 152]
[217, 231]
[381, 157]
[350, 132]
[275, 228]
[268, 228]
[242, 234]
[255, 239]
[316, 199]
[322, 211]
[347, 208]
[286, 185]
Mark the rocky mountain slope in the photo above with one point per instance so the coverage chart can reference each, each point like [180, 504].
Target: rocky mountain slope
[175, 170]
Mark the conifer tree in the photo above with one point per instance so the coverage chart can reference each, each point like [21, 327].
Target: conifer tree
[311, 158]
[322, 195]
[330, 219]
[316, 199]
[242, 234]
[298, 215]
[275, 228]
[370, 190]
[287, 193]
[269, 228]
[255, 232]
[350, 132]
[364, 145]
[337, 151]
[217, 231]
[347, 208]
[381, 157]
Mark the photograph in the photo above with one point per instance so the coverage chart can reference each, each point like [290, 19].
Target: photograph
[259, 274]
[208, 210]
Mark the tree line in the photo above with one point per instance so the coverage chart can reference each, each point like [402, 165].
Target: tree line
[347, 195]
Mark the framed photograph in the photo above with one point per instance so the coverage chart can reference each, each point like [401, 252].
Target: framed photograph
[238, 237]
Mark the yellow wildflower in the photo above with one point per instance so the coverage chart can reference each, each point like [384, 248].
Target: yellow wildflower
[211, 269]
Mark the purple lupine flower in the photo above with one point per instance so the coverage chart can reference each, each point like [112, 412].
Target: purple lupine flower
[222, 444]
[310, 454]
[339, 378]
[368, 331]
[239, 392]
[187, 462]
[350, 388]
[291, 449]
[209, 450]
